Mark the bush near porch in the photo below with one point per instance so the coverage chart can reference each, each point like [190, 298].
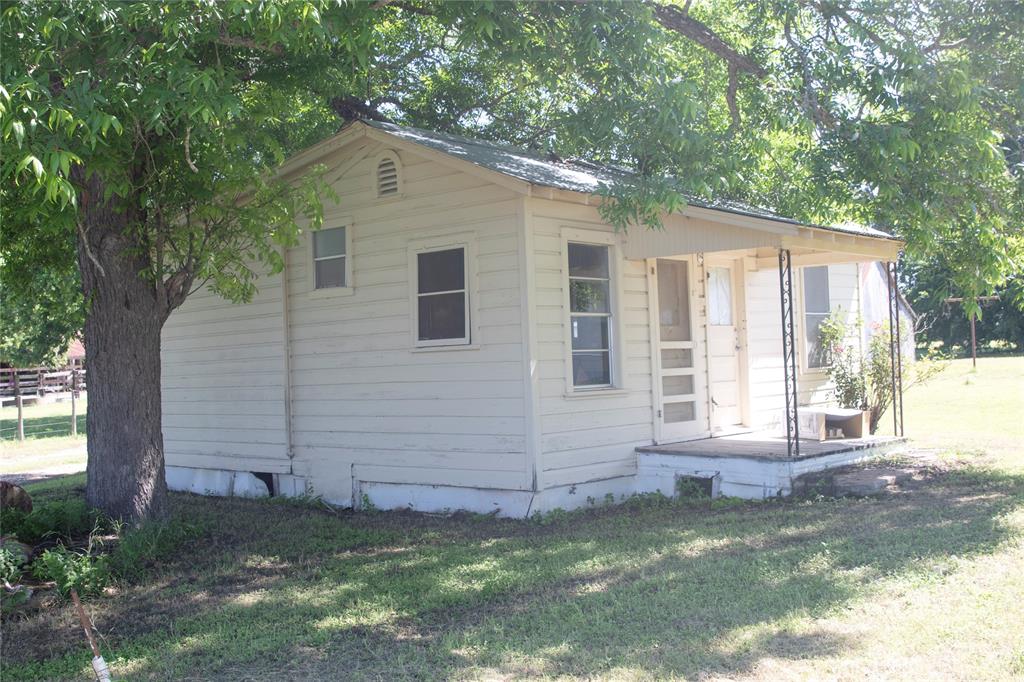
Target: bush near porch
[924, 583]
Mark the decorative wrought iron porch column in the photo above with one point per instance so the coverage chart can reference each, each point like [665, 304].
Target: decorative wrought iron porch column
[895, 349]
[789, 352]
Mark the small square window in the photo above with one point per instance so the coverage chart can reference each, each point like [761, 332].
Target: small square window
[330, 258]
[442, 301]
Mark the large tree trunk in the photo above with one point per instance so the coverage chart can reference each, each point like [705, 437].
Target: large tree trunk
[124, 315]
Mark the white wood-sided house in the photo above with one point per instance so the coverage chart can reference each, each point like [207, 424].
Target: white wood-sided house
[466, 332]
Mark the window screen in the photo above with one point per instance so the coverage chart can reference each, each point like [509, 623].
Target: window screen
[816, 311]
[674, 300]
[329, 258]
[442, 313]
[590, 315]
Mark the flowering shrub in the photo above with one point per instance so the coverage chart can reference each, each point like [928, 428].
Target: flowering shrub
[879, 373]
[865, 382]
[844, 364]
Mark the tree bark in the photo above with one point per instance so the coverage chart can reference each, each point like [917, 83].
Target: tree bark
[125, 313]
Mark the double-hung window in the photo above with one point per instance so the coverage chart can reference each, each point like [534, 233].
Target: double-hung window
[590, 315]
[442, 297]
[816, 310]
[330, 258]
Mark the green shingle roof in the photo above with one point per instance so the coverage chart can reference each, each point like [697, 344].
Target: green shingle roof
[571, 175]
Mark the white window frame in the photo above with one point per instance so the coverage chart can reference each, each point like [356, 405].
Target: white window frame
[805, 347]
[330, 292]
[467, 242]
[615, 331]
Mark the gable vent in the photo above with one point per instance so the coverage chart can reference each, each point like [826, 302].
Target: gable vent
[387, 177]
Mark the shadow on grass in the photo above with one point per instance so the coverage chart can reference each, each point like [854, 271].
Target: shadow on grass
[658, 590]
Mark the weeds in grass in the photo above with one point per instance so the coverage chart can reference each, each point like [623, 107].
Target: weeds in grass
[693, 489]
[10, 565]
[140, 549]
[552, 516]
[83, 571]
[61, 520]
[306, 500]
[366, 504]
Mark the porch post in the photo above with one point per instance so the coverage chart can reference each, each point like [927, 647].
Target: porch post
[789, 352]
[895, 349]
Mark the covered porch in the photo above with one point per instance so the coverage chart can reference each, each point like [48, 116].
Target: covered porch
[731, 376]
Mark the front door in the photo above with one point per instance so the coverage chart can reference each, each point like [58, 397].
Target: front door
[723, 348]
[681, 414]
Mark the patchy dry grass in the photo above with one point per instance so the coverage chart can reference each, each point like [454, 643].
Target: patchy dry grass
[924, 584]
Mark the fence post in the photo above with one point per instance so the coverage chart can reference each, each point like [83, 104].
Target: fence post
[17, 402]
[74, 401]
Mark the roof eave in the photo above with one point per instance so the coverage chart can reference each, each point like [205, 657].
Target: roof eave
[782, 226]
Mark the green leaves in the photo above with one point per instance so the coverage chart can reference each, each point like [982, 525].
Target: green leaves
[32, 162]
[882, 112]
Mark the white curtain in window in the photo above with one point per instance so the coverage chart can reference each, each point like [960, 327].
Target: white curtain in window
[719, 296]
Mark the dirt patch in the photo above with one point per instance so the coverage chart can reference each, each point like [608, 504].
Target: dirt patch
[904, 473]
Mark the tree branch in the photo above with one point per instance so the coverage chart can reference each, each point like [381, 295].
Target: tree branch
[350, 108]
[250, 44]
[730, 96]
[679, 21]
[88, 249]
[809, 101]
[407, 6]
[188, 153]
[939, 46]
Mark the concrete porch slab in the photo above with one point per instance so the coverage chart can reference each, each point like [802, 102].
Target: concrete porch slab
[759, 445]
[751, 466]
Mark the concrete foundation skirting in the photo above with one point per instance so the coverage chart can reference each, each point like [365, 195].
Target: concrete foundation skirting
[226, 483]
[503, 503]
[743, 477]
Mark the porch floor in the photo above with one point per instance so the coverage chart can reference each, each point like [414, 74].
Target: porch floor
[761, 445]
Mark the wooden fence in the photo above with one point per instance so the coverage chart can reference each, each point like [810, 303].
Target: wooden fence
[19, 386]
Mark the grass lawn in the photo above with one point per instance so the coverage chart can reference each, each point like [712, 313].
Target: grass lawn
[927, 583]
[48, 440]
[977, 411]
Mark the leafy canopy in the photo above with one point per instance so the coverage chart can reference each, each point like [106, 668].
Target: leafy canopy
[894, 112]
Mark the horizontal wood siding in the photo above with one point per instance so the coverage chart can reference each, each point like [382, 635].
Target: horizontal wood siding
[366, 405]
[591, 437]
[222, 382]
